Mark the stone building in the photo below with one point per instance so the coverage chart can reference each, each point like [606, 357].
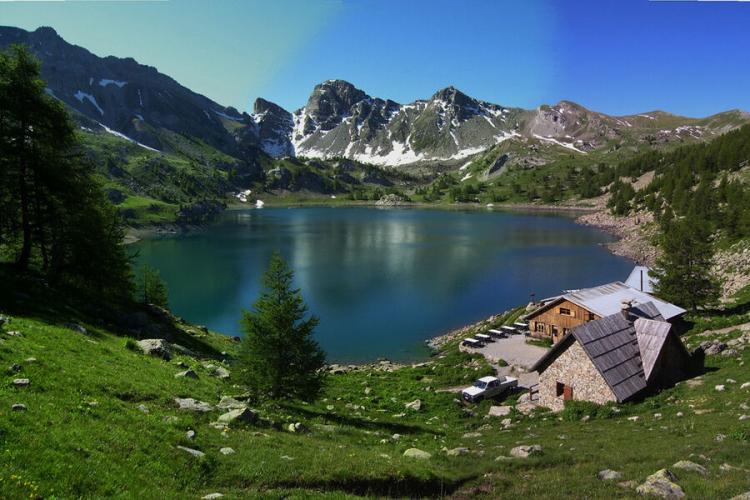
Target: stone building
[613, 359]
[557, 316]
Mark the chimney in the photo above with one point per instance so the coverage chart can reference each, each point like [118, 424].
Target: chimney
[625, 307]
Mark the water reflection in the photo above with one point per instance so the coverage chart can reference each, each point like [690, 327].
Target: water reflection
[381, 280]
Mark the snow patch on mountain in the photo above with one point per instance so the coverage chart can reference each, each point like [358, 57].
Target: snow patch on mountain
[559, 143]
[80, 95]
[106, 81]
[228, 117]
[123, 136]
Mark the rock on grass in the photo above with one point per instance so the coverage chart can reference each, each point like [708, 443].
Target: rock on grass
[689, 466]
[609, 475]
[156, 347]
[417, 453]
[190, 404]
[525, 451]
[191, 451]
[661, 484]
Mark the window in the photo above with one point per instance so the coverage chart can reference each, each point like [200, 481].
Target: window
[566, 331]
[565, 311]
[554, 330]
[559, 389]
[590, 316]
[539, 327]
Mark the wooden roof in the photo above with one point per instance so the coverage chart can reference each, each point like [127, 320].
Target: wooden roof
[651, 338]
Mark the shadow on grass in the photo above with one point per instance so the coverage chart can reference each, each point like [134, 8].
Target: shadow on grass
[362, 423]
[386, 487]
[29, 295]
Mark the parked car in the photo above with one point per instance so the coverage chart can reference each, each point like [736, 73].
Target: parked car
[488, 387]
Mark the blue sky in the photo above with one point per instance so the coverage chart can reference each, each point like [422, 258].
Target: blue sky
[615, 56]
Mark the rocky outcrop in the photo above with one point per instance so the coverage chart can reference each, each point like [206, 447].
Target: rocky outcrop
[390, 200]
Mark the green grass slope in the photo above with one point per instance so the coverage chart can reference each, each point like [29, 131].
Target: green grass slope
[85, 431]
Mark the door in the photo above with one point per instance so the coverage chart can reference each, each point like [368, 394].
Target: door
[567, 393]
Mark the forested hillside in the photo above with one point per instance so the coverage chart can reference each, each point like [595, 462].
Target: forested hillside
[707, 183]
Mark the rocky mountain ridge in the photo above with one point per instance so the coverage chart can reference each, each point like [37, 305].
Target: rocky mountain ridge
[126, 98]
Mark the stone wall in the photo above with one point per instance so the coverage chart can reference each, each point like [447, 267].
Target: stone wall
[574, 368]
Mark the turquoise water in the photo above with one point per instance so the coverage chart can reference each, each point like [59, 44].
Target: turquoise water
[381, 280]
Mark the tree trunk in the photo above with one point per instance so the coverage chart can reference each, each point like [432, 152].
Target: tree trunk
[25, 256]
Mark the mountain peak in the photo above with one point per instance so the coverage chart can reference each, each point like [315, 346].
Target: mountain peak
[263, 106]
[452, 95]
[46, 31]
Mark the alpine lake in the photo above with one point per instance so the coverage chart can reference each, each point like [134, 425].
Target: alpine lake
[382, 281]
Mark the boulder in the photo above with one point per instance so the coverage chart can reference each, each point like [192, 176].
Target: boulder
[21, 382]
[742, 496]
[689, 466]
[720, 387]
[18, 407]
[190, 434]
[156, 347]
[75, 327]
[472, 435]
[190, 404]
[4, 320]
[226, 451]
[417, 453]
[30, 360]
[143, 408]
[240, 415]
[212, 496]
[745, 385]
[217, 371]
[525, 451]
[297, 427]
[609, 475]
[499, 411]
[661, 484]
[457, 451]
[186, 374]
[230, 403]
[14, 334]
[195, 453]
[415, 405]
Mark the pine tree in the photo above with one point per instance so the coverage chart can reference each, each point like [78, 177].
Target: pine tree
[152, 288]
[54, 219]
[683, 270]
[279, 355]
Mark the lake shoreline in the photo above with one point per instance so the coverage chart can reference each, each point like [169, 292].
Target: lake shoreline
[135, 234]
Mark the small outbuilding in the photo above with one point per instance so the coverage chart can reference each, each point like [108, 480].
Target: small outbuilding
[613, 359]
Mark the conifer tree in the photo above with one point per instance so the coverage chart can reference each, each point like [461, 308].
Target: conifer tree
[683, 270]
[280, 358]
[152, 288]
